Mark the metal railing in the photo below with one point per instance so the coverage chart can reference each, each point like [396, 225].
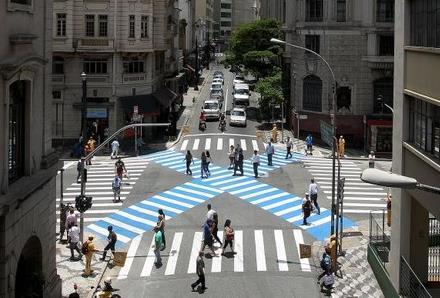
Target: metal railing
[434, 251]
[379, 241]
[410, 285]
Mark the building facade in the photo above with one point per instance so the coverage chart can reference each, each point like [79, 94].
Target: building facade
[29, 164]
[416, 145]
[225, 21]
[245, 11]
[356, 38]
[204, 21]
[129, 52]
[274, 9]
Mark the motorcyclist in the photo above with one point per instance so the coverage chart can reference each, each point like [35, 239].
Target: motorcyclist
[202, 120]
[222, 122]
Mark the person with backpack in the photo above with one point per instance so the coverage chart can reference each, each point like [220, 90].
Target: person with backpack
[208, 161]
[111, 238]
[188, 159]
[115, 149]
[229, 236]
[327, 281]
[238, 161]
[326, 262]
[215, 228]
[161, 225]
[306, 208]
[207, 236]
[200, 270]
[116, 187]
[203, 165]
[88, 249]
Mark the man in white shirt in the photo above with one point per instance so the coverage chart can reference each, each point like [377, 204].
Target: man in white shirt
[256, 162]
[313, 191]
[371, 158]
[210, 213]
[73, 234]
[289, 146]
[71, 219]
[270, 150]
[115, 149]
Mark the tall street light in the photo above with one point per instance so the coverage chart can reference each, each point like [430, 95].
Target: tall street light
[196, 87]
[84, 138]
[333, 120]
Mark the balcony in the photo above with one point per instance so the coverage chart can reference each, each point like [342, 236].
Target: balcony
[58, 79]
[95, 44]
[379, 62]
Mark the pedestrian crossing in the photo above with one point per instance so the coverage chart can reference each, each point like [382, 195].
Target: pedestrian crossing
[139, 218]
[254, 251]
[99, 185]
[221, 143]
[359, 197]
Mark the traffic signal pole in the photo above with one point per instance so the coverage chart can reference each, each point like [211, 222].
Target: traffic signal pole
[91, 154]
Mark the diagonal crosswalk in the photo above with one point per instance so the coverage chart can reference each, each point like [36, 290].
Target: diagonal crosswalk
[254, 251]
[359, 197]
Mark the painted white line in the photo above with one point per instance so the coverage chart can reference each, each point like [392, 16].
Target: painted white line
[361, 193]
[255, 145]
[219, 143]
[359, 198]
[197, 242]
[305, 264]
[69, 164]
[149, 261]
[204, 187]
[281, 250]
[232, 179]
[110, 179]
[97, 188]
[231, 143]
[102, 205]
[196, 144]
[161, 206]
[283, 202]
[184, 145]
[104, 232]
[288, 210]
[102, 211]
[226, 99]
[136, 218]
[217, 260]
[243, 144]
[343, 172]
[357, 211]
[262, 200]
[125, 226]
[88, 193]
[238, 249]
[189, 190]
[259, 251]
[179, 195]
[354, 187]
[145, 211]
[365, 205]
[207, 143]
[174, 254]
[253, 187]
[131, 253]
[252, 195]
[239, 184]
[102, 183]
[347, 183]
[176, 202]
[218, 177]
[94, 199]
[329, 174]
[94, 219]
[317, 222]
[319, 179]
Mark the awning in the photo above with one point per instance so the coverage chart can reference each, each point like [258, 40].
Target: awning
[165, 96]
[147, 104]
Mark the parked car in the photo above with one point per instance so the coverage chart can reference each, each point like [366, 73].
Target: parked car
[211, 108]
[238, 117]
[216, 86]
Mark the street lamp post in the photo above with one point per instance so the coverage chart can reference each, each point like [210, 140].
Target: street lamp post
[196, 87]
[333, 120]
[83, 160]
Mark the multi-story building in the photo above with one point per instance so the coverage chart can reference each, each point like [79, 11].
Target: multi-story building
[244, 11]
[357, 40]
[274, 9]
[127, 50]
[225, 20]
[29, 164]
[204, 21]
[416, 148]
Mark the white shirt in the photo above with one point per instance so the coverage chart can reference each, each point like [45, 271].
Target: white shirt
[115, 145]
[289, 144]
[74, 234]
[71, 219]
[256, 158]
[313, 188]
[210, 214]
[270, 149]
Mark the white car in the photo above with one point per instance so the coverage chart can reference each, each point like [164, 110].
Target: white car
[211, 108]
[218, 81]
[238, 117]
[239, 79]
[216, 86]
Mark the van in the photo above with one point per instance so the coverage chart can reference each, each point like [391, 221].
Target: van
[211, 108]
[241, 88]
[241, 95]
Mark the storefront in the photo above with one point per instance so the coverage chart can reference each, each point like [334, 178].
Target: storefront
[380, 136]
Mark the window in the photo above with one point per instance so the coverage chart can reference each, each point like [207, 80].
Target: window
[383, 93]
[341, 8]
[312, 93]
[226, 5]
[313, 10]
[386, 45]
[95, 66]
[56, 94]
[131, 26]
[424, 125]
[16, 130]
[144, 27]
[90, 25]
[103, 25]
[225, 24]
[225, 14]
[22, 2]
[312, 43]
[160, 61]
[57, 65]
[61, 24]
[133, 66]
[385, 10]
[425, 23]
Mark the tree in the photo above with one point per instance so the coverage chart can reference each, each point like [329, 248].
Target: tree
[250, 46]
[271, 91]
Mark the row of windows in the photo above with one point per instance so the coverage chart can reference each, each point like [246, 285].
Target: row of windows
[100, 66]
[100, 28]
[226, 5]
[425, 23]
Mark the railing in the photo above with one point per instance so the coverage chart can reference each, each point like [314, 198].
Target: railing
[434, 251]
[379, 241]
[410, 285]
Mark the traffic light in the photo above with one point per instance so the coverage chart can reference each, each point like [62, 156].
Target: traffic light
[82, 204]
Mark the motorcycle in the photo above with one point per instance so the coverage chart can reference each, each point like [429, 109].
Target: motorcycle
[202, 125]
[222, 125]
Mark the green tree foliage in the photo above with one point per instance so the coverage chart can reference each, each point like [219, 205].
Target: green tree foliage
[250, 46]
[270, 89]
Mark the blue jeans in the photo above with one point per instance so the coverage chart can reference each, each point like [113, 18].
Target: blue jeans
[255, 169]
[269, 159]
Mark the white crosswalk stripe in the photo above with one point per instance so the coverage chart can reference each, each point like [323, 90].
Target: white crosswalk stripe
[359, 197]
[267, 250]
[243, 144]
[218, 143]
[196, 144]
[184, 145]
[208, 143]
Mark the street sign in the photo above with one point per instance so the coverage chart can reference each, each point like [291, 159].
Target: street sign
[303, 117]
[119, 258]
[326, 132]
[135, 109]
[305, 251]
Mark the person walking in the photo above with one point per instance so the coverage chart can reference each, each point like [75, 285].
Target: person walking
[188, 159]
[203, 165]
[214, 228]
[313, 191]
[157, 245]
[161, 226]
[231, 157]
[371, 158]
[289, 146]
[88, 249]
[207, 236]
[326, 262]
[306, 208]
[309, 144]
[115, 149]
[238, 161]
[116, 187]
[73, 234]
[270, 151]
[79, 169]
[341, 146]
[120, 168]
[87, 150]
[229, 237]
[208, 161]
[255, 162]
[200, 270]
[71, 218]
[111, 238]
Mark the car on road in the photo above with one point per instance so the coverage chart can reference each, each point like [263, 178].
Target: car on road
[217, 94]
[241, 95]
[211, 108]
[216, 86]
[238, 117]
[218, 73]
[239, 79]
[218, 80]
[241, 89]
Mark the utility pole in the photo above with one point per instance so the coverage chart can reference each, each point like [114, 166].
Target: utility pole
[196, 87]
[84, 140]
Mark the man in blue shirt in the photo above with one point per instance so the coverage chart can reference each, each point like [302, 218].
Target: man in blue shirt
[309, 143]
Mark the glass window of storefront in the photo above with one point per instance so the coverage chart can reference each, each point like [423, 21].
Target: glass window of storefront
[425, 126]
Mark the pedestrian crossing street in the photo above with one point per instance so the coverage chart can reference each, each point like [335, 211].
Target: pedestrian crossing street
[221, 143]
[359, 197]
[255, 251]
[99, 185]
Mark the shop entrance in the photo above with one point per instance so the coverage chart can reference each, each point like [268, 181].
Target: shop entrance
[29, 279]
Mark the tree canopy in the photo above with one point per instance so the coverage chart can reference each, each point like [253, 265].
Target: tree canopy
[270, 89]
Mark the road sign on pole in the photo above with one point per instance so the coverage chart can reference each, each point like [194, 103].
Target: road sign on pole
[326, 133]
[135, 109]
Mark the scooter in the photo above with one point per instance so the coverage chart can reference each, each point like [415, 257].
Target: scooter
[222, 125]
[202, 125]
